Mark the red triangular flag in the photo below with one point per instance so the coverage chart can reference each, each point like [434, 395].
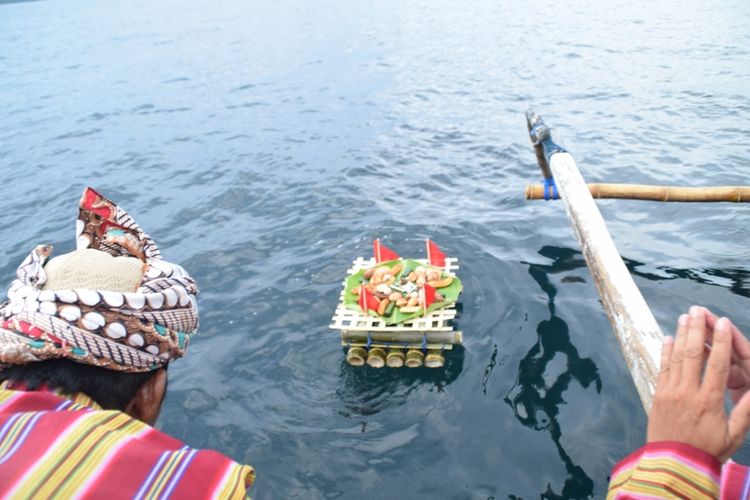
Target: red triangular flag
[434, 255]
[367, 300]
[382, 253]
[428, 297]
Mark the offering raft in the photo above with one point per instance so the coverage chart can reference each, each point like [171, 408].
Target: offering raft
[419, 341]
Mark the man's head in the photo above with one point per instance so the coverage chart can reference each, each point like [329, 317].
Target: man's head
[104, 320]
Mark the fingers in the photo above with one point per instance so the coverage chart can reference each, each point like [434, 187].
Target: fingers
[692, 355]
[717, 367]
[666, 353]
[675, 361]
[740, 343]
[737, 377]
[739, 423]
[711, 318]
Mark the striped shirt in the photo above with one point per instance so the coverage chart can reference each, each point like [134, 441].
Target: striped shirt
[677, 470]
[54, 445]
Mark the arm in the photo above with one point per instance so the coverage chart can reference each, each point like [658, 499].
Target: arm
[689, 433]
[666, 469]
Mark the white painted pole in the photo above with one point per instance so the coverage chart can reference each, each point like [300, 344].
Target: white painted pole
[632, 321]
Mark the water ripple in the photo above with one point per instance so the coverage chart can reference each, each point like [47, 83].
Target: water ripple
[265, 145]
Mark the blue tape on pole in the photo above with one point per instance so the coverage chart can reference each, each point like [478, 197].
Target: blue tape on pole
[424, 342]
[550, 190]
[369, 341]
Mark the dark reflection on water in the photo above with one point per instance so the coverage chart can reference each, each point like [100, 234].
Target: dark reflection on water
[536, 396]
[563, 259]
[364, 391]
[536, 401]
[736, 280]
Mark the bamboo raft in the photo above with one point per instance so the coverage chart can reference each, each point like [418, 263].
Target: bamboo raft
[418, 342]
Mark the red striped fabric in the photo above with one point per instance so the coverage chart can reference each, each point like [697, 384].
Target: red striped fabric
[670, 469]
[62, 446]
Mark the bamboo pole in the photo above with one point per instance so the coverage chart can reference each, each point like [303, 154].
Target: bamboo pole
[395, 358]
[736, 194]
[402, 345]
[356, 356]
[439, 337]
[632, 321]
[434, 359]
[376, 357]
[414, 358]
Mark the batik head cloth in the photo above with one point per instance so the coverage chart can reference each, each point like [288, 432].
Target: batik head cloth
[133, 331]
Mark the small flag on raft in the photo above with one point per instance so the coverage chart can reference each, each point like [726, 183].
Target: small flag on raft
[428, 297]
[382, 253]
[435, 256]
[367, 301]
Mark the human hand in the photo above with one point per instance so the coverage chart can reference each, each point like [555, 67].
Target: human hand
[690, 409]
[739, 370]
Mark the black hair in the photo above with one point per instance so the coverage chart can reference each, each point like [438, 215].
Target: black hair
[112, 390]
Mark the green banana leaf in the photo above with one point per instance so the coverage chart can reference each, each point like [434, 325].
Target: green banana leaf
[450, 292]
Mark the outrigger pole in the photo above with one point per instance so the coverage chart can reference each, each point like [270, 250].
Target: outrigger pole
[632, 321]
[735, 194]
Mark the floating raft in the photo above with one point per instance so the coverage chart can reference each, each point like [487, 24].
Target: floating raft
[418, 342]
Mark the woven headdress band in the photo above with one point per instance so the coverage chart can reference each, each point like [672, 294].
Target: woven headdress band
[131, 331]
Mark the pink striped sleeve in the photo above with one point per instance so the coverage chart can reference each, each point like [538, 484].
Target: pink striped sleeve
[735, 480]
[666, 470]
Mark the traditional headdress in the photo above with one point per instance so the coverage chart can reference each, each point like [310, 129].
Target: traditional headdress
[113, 303]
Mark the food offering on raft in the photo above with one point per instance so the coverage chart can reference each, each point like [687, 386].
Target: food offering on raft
[399, 312]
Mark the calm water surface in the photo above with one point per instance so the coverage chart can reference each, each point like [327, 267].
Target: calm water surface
[265, 144]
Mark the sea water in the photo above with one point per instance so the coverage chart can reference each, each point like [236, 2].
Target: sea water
[265, 144]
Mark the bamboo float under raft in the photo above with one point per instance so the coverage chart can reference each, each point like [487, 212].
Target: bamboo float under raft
[422, 341]
[733, 194]
[632, 322]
